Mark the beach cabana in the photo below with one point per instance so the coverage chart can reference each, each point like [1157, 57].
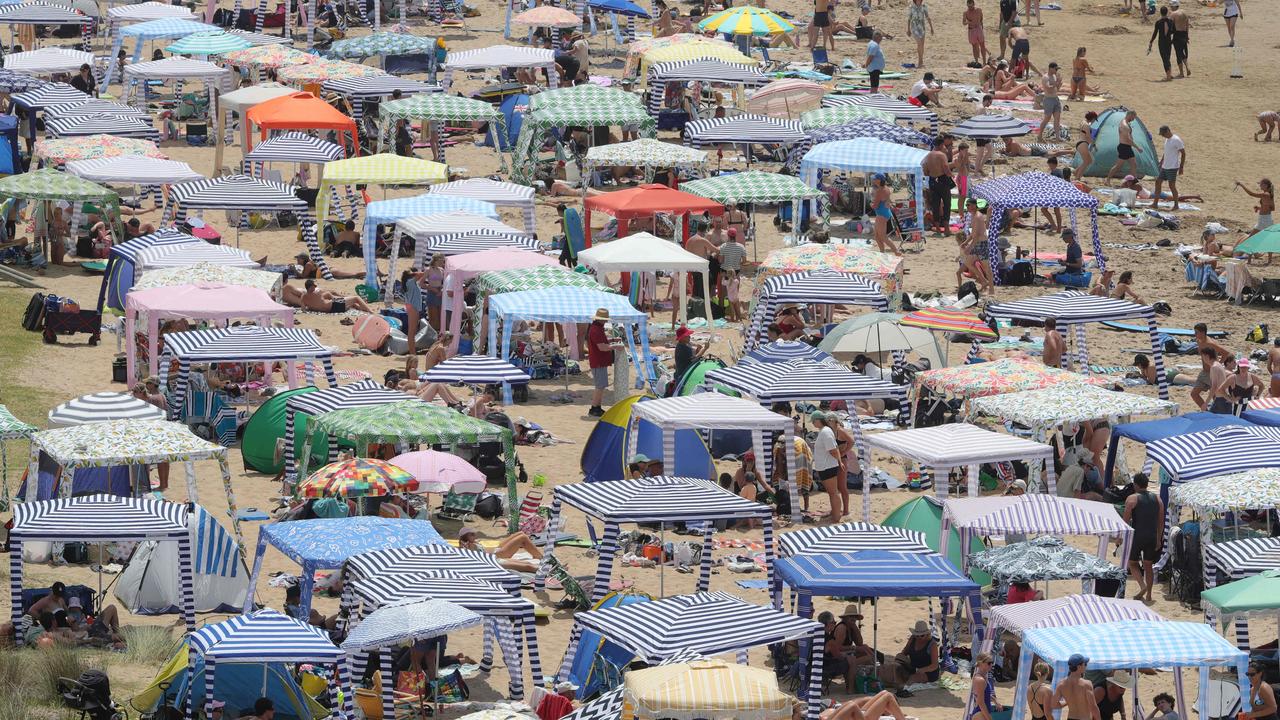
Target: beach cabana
[267, 636]
[1255, 596]
[435, 108]
[709, 623]
[363, 393]
[745, 129]
[327, 543]
[1131, 645]
[1149, 431]
[123, 268]
[884, 268]
[900, 109]
[865, 127]
[138, 170]
[48, 61]
[566, 305]
[84, 410]
[303, 75]
[100, 519]
[48, 185]
[36, 99]
[144, 12]
[868, 155]
[211, 272]
[842, 115]
[247, 343]
[582, 106]
[460, 269]
[371, 88]
[175, 68]
[298, 111]
[470, 241]
[654, 500]
[114, 125]
[757, 188]
[705, 688]
[1217, 451]
[683, 47]
[386, 212]
[817, 287]
[1033, 514]
[1035, 190]
[1066, 611]
[501, 194]
[160, 28]
[239, 101]
[708, 71]
[647, 154]
[497, 57]
[432, 559]
[645, 253]
[646, 201]
[382, 169]
[1235, 560]
[413, 422]
[49, 14]
[205, 301]
[496, 282]
[851, 537]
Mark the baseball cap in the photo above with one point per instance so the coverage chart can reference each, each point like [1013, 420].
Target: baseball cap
[733, 232]
[1241, 363]
[638, 459]
[1076, 661]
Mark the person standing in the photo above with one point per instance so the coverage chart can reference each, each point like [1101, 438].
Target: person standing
[599, 358]
[1231, 12]
[917, 19]
[1144, 512]
[1075, 693]
[1008, 20]
[1050, 84]
[1080, 69]
[1125, 149]
[874, 62]
[938, 169]
[1163, 31]
[1273, 368]
[1266, 196]
[1181, 37]
[983, 690]
[1054, 346]
[826, 462]
[972, 19]
[820, 27]
[1173, 162]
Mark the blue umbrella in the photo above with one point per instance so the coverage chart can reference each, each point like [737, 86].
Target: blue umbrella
[621, 7]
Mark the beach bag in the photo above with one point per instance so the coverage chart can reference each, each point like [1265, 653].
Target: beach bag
[33, 317]
[489, 506]
[371, 332]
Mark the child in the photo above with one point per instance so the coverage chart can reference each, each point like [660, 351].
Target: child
[733, 287]
[1164, 708]
[1080, 67]
[960, 165]
[1269, 121]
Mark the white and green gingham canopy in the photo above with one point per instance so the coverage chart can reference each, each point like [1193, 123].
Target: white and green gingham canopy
[823, 117]
[581, 106]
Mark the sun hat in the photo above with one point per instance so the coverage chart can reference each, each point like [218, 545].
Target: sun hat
[601, 314]
[853, 611]
[465, 531]
[1121, 678]
[921, 629]
[565, 686]
[683, 332]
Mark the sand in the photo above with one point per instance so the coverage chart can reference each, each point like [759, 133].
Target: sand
[1213, 113]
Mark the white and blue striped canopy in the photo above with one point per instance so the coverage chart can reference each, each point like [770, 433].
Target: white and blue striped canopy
[780, 351]
[99, 518]
[39, 13]
[862, 127]
[1241, 558]
[1069, 307]
[708, 70]
[364, 393]
[1039, 514]
[822, 287]
[991, 126]
[264, 636]
[128, 126]
[238, 192]
[246, 342]
[377, 86]
[851, 537]
[476, 241]
[708, 622]
[443, 559]
[295, 147]
[957, 445]
[134, 170]
[412, 619]
[875, 573]
[659, 499]
[480, 596]
[184, 255]
[94, 106]
[476, 369]
[563, 304]
[50, 94]
[102, 407]
[797, 380]
[744, 128]
[1221, 451]
[709, 411]
[164, 28]
[385, 212]
[1068, 611]
[900, 109]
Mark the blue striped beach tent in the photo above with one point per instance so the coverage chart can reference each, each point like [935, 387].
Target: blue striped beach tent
[851, 537]
[364, 393]
[823, 287]
[123, 268]
[295, 146]
[435, 558]
[746, 129]
[476, 241]
[709, 623]
[150, 582]
[326, 544]
[801, 380]
[1221, 451]
[101, 518]
[785, 351]
[476, 370]
[265, 636]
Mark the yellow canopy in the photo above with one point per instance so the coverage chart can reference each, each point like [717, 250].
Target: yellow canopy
[381, 169]
[691, 51]
[711, 689]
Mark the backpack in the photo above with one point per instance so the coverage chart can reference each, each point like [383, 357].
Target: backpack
[489, 506]
[1019, 274]
[33, 317]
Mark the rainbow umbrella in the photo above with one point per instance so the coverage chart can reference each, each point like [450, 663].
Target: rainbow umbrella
[949, 320]
[91, 147]
[547, 16]
[440, 472]
[357, 477]
[746, 20]
[268, 56]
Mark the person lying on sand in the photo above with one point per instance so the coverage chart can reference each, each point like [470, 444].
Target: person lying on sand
[469, 539]
[322, 300]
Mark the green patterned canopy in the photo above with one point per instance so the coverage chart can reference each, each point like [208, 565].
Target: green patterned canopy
[495, 282]
[580, 94]
[124, 442]
[841, 114]
[417, 423]
[382, 43]
[438, 106]
[581, 106]
[11, 428]
[752, 187]
[48, 184]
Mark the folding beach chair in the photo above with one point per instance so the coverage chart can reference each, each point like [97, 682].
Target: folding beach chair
[458, 506]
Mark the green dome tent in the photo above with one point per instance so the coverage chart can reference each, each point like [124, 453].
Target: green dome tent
[266, 427]
[924, 515]
[1105, 131]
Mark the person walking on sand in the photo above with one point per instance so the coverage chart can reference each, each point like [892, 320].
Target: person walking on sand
[937, 168]
[1050, 84]
[1125, 149]
[1181, 37]
[1075, 693]
[1163, 31]
[1144, 512]
[1231, 12]
[972, 19]
[1008, 20]
[1172, 164]
[917, 19]
[874, 62]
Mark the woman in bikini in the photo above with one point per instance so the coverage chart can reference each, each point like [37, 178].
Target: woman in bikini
[1124, 289]
[1004, 86]
[1079, 68]
[1262, 698]
[865, 708]
[735, 218]
[883, 210]
[851, 469]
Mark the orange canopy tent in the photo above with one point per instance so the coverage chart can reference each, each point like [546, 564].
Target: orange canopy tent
[646, 201]
[298, 111]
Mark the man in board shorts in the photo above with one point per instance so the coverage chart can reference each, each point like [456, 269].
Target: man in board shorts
[1125, 150]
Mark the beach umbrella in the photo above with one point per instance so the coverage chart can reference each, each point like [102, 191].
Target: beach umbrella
[1263, 241]
[949, 320]
[440, 472]
[780, 351]
[786, 98]
[102, 124]
[1259, 594]
[875, 333]
[357, 477]
[746, 20]
[216, 42]
[547, 16]
[102, 407]
[1043, 558]
[621, 7]
[991, 126]
[323, 70]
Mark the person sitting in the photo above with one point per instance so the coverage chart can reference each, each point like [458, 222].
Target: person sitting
[918, 662]
[322, 300]
[293, 608]
[1132, 183]
[346, 243]
[1163, 708]
[134, 228]
[263, 709]
[311, 271]
[751, 485]
[1020, 592]
[926, 91]
[790, 323]
[102, 629]
[1146, 370]
[508, 547]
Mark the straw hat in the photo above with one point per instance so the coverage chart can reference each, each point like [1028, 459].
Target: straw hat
[853, 611]
[1121, 678]
[921, 629]
[602, 314]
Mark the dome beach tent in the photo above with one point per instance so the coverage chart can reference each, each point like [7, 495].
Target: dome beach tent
[604, 456]
[265, 428]
[150, 583]
[1106, 133]
[123, 269]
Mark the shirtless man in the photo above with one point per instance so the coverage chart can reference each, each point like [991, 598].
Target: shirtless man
[1273, 367]
[1075, 693]
[700, 245]
[1021, 43]
[322, 300]
[1054, 346]
[1269, 121]
[937, 167]
[977, 245]
[1201, 331]
[1181, 37]
[1125, 149]
[1050, 84]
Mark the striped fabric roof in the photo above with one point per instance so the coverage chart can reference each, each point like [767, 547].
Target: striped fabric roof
[1069, 307]
[786, 351]
[658, 499]
[295, 146]
[47, 61]
[1041, 190]
[900, 109]
[497, 56]
[709, 623]
[404, 620]
[797, 380]
[399, 561]
[16, 82]
[237, 192]
[377, 86]
[476, 369]
[708, 70]
[1135, 643]
[494, 191]
[484, 597]
[851, 537]
[454, 222]
[247, 342]
[991, 126]
[1220, 451]
[143, 12]
[1241, 558]
[742, 129]
[101, 124]
[865, 127]
[563, 304]
[176, 68]
[1068, 611]
[39, 13]
[811, 286]
[99, 518]
[709, 411]
[478, 241]
[1041, 514]
[875, 573]
[46, 95]
[185, 255]
[134, 170]
[957, 445]
[364, 393]
[264, 636]
[325, 544]
[102, 407]
[259, 39]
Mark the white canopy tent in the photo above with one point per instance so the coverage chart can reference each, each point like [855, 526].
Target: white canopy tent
[494, 191]
[137, 170]
[499, 57]
[240, 100]
[647, 253]
[174, 68]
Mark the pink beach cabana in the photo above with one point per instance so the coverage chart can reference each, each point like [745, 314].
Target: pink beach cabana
[458, 269]
[204, 301]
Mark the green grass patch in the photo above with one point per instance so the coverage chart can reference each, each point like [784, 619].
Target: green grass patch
[17, 348]
[149, 645]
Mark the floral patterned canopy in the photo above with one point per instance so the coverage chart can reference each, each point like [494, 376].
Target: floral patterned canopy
[881, 267]
[206, 272]
[645, 153]
[1044, 558]
[997, 377]
[125, 442]
[1252, 490]
[1067, 403]
[322, 71]
[268, 56]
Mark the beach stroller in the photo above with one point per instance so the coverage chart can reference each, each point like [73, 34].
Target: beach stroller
[90, 695]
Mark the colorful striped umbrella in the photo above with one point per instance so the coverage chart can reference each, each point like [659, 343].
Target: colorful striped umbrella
[746, 20]
[209, 43]
[357, 477]
[786, 98]
[948, 320]
[547, 16]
